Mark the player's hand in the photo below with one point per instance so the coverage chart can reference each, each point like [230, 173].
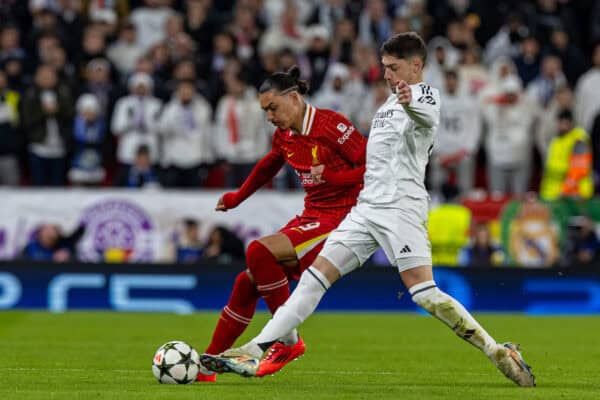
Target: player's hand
[220, 205]
[403, 93]
[316, 171]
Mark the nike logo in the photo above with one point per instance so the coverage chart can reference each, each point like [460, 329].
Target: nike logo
[289, 155]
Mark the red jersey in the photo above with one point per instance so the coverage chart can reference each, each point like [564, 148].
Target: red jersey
[327, 138]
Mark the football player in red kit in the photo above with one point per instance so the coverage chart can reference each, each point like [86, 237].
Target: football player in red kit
[328, 154]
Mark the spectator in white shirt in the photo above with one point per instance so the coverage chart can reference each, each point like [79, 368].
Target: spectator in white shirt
[125, 52]
[240, 134]
[457, 140]
[150, 22]
[185, 127]
[341, 93]
[587, 104]
[135, 119]
[509, 117]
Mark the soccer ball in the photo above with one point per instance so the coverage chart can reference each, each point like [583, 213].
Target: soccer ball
[175, 362]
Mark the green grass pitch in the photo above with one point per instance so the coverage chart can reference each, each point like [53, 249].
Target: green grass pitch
[349, 356]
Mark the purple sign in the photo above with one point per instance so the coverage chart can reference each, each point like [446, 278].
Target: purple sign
[117, 227]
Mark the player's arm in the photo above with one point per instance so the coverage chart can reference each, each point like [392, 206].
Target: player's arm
[348, 142]
[262, 173]
[420, 103]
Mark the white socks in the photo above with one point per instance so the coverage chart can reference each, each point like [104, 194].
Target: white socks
[301, 304]
[452, 313]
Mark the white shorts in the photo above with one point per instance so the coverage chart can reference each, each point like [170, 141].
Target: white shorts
[401, 233]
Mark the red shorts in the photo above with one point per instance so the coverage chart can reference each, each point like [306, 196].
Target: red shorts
[308, 235]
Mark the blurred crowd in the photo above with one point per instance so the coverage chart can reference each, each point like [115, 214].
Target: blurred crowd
[163, 92]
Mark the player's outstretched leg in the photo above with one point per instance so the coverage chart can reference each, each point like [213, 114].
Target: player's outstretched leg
[246, 360]
[444, 307]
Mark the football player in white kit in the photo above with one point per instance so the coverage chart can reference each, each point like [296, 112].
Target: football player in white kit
[392, 213]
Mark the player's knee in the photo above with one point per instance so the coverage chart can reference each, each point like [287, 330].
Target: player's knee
[255, 254]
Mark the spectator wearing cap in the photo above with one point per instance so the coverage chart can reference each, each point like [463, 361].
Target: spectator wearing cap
[550, 78]
[49, 110]
[341, 92]
[149, 21]
[9, 136]
[185, 127]
[587, 104]
[509, 116]
[89, 142]
[141, 173]
[125, 51]
[135, 118]
[240, 134]
[568, 166]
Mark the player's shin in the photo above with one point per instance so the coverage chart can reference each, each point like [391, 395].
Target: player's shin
[236, 315]
[301, 304]
[452, 313]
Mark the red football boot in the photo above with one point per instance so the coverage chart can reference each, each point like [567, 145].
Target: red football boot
[204, 375]
[278, 356]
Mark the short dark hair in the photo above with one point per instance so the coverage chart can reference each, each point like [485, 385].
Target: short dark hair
[285, 82]
[405, 45]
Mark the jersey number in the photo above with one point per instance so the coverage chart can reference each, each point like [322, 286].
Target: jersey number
[309, 227]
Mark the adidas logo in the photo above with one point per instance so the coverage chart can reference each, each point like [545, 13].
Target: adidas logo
[406, 249]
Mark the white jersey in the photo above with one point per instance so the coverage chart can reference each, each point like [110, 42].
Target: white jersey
[399, 146]
[460, 126]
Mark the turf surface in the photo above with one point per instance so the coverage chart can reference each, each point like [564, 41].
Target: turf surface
[350, 356]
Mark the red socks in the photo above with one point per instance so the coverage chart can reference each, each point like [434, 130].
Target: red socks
[236, 315]
[271, 284]
[271, 281]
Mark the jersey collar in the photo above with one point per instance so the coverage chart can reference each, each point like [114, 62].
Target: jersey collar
[309, 117]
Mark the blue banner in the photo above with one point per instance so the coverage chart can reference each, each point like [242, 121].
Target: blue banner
[173, 288]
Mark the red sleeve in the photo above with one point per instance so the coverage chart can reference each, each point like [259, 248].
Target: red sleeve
[349, 177]
[264, 170]
[342, 136]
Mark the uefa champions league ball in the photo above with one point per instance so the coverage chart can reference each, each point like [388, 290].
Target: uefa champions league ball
[176, 362]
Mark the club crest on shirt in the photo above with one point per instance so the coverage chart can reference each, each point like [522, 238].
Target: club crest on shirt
[342, 127]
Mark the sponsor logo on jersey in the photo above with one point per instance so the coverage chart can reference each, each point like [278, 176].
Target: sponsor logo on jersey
[342, 127]
[290, 155]
[346, 134]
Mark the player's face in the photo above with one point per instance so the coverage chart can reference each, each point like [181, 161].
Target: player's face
[280, 109]
[400, 69]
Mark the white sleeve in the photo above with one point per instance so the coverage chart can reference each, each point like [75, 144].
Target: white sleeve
[120, 119]
[165, 127]
[476, 127]
[424, 108]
